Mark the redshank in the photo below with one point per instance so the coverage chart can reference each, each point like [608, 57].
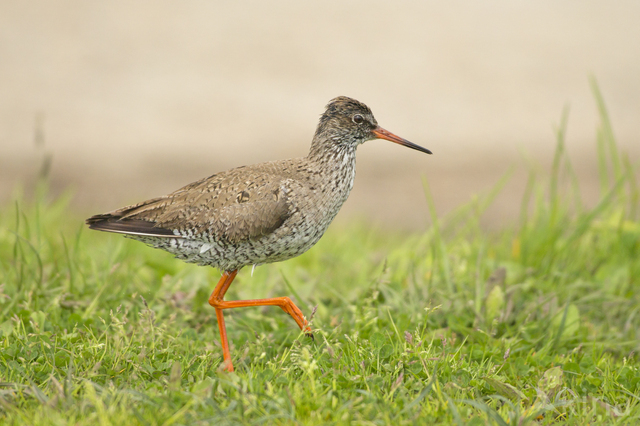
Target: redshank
[257, 214]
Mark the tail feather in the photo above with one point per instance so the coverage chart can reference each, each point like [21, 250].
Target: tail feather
[114, 222]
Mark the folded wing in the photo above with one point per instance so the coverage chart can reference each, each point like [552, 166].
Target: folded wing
[221, 207]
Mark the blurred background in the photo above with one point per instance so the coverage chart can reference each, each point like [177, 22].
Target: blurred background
[135, 99]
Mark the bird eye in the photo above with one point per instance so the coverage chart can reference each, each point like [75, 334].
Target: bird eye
[358, 119]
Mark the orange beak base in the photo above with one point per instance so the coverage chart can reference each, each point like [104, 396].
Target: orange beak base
[381, 133]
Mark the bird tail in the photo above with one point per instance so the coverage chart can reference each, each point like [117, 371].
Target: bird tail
[131, 220]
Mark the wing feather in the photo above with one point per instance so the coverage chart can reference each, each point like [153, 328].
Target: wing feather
[224, 206]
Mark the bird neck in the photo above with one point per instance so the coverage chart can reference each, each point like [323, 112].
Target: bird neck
[336, 165]
[331, 146]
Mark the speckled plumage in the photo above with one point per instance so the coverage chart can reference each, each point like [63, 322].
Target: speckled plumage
[249, 215]
[257, 214]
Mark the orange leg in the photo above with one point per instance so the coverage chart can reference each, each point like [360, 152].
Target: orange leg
[216, 296]
[216, 300]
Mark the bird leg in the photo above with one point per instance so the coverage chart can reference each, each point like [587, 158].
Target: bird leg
[216, 300]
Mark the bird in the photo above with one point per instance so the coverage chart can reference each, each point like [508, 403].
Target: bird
[257, 214]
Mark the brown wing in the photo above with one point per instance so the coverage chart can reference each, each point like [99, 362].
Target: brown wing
[233, 206]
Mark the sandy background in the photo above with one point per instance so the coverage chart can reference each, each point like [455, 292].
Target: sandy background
[135, 99]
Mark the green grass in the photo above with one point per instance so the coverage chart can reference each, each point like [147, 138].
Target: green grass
[536, 324]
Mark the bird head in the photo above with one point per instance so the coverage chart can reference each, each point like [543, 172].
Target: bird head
[348, 123]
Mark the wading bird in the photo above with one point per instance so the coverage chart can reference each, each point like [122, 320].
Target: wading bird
[257, 214]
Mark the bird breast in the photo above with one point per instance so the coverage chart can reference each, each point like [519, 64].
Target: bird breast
[283, 225]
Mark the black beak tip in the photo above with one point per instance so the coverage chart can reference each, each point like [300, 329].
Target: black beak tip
[417, 147]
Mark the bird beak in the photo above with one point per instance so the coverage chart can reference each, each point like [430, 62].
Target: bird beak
[381, 133]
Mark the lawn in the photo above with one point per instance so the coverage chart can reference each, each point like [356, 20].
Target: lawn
[535, 324]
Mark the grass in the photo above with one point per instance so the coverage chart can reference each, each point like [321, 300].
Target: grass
[536, 324]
